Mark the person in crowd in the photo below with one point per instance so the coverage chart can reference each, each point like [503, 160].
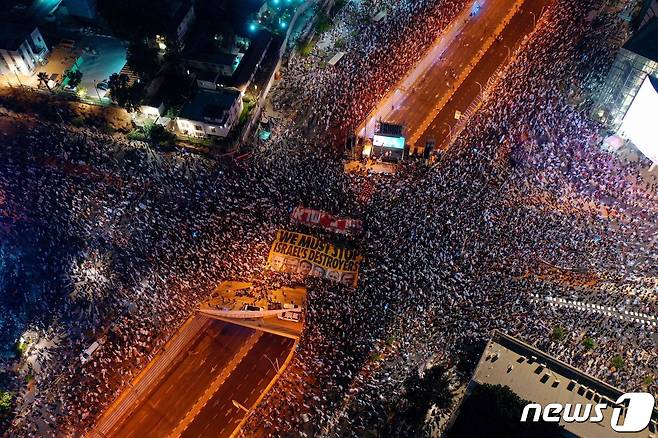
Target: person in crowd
[104, 238]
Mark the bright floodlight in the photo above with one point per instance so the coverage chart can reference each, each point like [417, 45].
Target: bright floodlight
[639, 124]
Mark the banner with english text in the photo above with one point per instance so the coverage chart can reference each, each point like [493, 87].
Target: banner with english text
[308, 255]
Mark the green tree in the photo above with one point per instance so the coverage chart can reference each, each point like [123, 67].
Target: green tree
[589, 343]
[143, 59]
[20, 348]
[158, 136]
[135, 19]
[495, 411]
[6, 402]
[124, 94]
[74, 78]
[43, 79]
[323, 24]
[618, 362]
[558, 334]
[421, 393]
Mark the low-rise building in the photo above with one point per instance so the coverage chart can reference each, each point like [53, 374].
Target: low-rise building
[223, 63]
[211, 113]
[153, 107]
[210, 80]
[22, 49]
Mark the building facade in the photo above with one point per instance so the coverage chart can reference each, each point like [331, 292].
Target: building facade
[22, 49]
[637, 59]
[649, 11]
[211, 113]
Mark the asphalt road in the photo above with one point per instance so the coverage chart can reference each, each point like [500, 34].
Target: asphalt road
[520, 25]
[172, 396]
[436, 75]
[220, 416]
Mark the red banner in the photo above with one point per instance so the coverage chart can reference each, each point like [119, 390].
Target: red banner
[308, 216]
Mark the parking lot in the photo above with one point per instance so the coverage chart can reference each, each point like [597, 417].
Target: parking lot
[97, 57]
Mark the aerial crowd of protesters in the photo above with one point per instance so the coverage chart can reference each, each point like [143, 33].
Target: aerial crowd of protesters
[107, 239]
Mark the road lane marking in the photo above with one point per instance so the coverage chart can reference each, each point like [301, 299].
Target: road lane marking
[201, 403]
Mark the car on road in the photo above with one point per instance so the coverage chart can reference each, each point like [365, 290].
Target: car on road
[250, 308]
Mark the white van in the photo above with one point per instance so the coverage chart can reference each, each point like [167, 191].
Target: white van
[89, 351]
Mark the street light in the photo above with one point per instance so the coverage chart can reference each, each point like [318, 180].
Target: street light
[509, 52]
[534, 19]
[239, 406]
[97, 93]
[17, 77]
[449, 128]
[276, 367]
[481, 88]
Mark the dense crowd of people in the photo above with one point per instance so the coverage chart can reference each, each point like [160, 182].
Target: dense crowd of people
[527, 186]
[376, 58]
[106, 239]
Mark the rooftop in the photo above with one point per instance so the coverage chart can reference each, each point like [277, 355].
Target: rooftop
[217, 58]
[536, 376]
[210, 105]
[260, 44]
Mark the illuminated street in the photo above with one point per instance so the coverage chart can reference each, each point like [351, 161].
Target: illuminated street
[443, 70]
[227, 358]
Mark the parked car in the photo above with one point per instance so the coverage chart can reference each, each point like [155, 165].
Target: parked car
[250, 308]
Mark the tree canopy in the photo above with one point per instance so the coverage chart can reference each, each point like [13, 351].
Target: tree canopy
[6, 402]
[158, 136]
[421, 393]
[143, 59]
[123, 93]
[74, 78]
[495, 411]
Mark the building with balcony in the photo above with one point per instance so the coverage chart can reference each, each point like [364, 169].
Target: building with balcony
[22, 49]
